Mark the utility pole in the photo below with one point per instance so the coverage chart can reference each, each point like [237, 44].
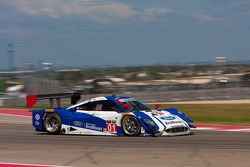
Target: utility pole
[11, 57]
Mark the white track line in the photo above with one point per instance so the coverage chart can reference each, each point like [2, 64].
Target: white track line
[6, 163]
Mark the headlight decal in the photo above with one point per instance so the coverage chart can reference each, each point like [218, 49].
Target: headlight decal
[151, 125]
[160, 122]
[149, 122]
[141, 116]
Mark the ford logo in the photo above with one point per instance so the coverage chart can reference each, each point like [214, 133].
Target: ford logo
[78, 123]
[168, 118]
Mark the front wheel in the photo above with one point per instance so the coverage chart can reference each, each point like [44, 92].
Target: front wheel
[52, 124]
[130, 126]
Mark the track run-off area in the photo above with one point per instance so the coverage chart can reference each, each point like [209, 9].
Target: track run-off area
[20, 144]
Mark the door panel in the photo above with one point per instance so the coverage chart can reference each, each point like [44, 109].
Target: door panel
[110, 118]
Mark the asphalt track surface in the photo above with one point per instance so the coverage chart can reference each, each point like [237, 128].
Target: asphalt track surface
[19, 143]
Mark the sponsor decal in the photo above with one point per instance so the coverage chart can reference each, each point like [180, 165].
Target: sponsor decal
[158, 112]
[177, 126]
[37, 117]
[78, 123]
[92, 127]
[173, 122]
[37, 123]
[111, 121]
[167, 118]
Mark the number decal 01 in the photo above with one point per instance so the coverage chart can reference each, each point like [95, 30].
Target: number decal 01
[111, 127]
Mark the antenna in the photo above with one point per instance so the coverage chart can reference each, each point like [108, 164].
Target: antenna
[11, 57]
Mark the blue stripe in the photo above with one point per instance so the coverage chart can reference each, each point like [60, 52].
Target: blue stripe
[160, 122]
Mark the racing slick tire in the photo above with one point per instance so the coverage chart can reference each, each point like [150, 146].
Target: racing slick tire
[130, 126]
[52, 124]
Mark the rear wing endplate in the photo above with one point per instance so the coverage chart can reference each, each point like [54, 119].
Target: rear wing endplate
[32, 99]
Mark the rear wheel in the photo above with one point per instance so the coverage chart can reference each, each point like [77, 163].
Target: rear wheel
[52, 124]
[130, 126]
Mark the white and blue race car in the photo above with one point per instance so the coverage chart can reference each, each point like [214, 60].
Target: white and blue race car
[109, 115]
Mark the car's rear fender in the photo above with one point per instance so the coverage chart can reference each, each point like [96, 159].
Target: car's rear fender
[37, 119]
[39, 115]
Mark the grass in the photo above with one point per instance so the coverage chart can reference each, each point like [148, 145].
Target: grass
[231, 114]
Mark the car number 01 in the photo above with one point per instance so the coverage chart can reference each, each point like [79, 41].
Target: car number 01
[111, 127]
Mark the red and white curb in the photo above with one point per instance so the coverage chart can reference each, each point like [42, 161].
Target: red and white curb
[15, 112]
[3, 164]
[230, 128]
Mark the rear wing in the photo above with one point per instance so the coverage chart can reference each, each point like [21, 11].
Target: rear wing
[32, 99]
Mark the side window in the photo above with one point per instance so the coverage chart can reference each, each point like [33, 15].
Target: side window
[110, 106]
[91, 106]
[105, 105]
[116, 107]
[86, 107]
[98, 106]
[95, 106]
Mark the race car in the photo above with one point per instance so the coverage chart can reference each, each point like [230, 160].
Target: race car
[110, 115]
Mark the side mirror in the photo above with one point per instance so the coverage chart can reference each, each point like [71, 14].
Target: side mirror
[157, 106]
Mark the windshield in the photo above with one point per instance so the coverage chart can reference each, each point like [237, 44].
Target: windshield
[135, 105]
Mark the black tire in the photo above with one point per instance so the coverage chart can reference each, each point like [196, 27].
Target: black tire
[130, 126]
[52, 124]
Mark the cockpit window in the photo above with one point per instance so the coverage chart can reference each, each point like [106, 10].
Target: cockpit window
[132, 104]
[102, 105]
[85, 107]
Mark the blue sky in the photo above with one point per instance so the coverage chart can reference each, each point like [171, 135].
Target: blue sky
[125, 32]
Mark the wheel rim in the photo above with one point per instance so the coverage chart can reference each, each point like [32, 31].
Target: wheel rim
[52, 123]
[130, 125]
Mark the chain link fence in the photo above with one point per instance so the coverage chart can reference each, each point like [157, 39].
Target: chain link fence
[159, 96]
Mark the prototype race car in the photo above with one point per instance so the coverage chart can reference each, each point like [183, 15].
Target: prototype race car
[109, 115]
